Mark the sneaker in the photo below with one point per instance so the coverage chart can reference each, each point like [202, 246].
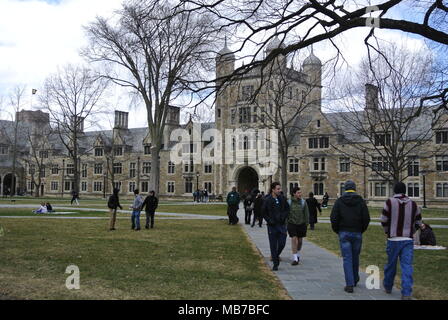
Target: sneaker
[406, 298]
[275, 267]
[348, 289]
[294, 262]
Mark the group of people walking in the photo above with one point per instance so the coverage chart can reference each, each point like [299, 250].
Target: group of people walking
[149, 205]
[200, 195]
[350, 218]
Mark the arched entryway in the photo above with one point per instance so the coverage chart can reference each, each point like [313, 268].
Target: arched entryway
[9, 184]
[247, 180]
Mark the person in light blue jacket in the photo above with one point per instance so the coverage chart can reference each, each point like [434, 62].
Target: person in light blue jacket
[136, 209]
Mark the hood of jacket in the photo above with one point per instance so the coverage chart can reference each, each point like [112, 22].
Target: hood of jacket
[402, 198]
[351, 199]
[116, 191]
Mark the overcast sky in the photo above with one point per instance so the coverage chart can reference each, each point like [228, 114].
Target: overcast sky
[36, 36]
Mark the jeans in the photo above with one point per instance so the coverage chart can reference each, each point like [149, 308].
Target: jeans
[248, 214]
[350, 243]
[150, 216]
[135, 220]
[113, 218]
[405, 251]
[277, 241]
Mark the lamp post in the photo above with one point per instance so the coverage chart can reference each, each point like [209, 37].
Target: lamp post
[197, 180]
[104, 185]
[424, 173]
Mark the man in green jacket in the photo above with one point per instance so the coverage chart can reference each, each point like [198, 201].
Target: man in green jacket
[233, 203]
[298, 219]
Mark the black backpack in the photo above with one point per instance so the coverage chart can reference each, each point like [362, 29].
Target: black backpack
[111, 202]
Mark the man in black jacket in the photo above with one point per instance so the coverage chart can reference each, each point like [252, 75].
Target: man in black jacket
[349, 219]
[275, 211]
[150, 205]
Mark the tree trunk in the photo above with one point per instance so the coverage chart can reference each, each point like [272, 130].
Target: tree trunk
[154, 179]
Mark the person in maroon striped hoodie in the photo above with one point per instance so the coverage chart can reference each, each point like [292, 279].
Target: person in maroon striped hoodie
[399, 217]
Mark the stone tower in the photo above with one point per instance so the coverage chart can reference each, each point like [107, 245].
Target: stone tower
[312, 67]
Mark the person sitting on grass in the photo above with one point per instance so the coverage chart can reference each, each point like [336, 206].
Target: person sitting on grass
[49, 207]
[42, 209]
[427, 236]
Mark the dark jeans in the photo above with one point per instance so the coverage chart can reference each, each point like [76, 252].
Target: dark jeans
[405, 251]
[259, 218]
[350, 243]
[150, 216]
[248, 214]
[232, 213]
[277, 241]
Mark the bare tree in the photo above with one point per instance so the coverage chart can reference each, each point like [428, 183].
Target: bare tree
[159, 60]
[385, 136]
[302, 23]
[14, 103]
[71, 96]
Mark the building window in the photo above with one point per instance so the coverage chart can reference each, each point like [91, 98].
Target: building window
[146, 167]
[208, 168]
[42, 171]
[70, 168]
[255, 117]
[293, 165]
[54, 186]
[413, 167]
[382, 139]
[442, 190]
[118, 151]
[84, 186]
[43, 154]
[55, 169]
[380, 189]
[32, 169]
[145, 186]
[318, 189]
[318, 142]
[98, 152]
[4, 150]
[132, 171]
[170, 187]
[30, 185]
[247, 92]
[262, 114]
[379, 164]
[442, 137]
[244, 115]
[69, 185]
[171, 167]
[289, 92]
[84, 170]
[344, 164]
[219, 113]
[318, 124]
[188, 166]
[117, 185]
[292, 185]
[188, 186]
[98, 168]
[131, 186]
[318, 164]
[442, 163]
[208, 187]
[97, 186]
[413, 190]
[147, 149]
[117, 168]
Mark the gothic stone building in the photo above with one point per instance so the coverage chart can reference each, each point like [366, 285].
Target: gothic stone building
[122, 155]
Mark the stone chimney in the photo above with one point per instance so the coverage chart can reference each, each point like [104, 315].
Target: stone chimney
[121, 120]
[371, 97]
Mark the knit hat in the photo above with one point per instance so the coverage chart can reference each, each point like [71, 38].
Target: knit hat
[350, 185]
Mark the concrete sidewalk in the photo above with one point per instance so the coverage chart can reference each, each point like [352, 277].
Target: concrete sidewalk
[320, 276]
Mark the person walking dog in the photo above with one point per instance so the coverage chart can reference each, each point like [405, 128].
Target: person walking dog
[350, 219]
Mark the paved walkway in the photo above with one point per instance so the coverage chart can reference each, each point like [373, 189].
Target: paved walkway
[320, 275]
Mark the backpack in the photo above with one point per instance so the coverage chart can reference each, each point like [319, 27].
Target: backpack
[110, 202]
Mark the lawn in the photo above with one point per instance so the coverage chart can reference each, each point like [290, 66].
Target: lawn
[179, 259]
[430, 276]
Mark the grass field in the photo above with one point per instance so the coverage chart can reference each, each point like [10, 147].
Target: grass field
[430, 276]
[179, 259]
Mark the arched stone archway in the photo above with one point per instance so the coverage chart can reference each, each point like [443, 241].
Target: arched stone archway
[9, 184]
[247, 179]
